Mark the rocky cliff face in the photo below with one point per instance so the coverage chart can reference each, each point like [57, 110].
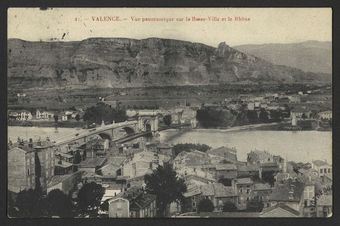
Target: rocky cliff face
[119, 62]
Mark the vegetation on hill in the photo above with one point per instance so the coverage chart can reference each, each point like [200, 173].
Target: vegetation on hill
[103, 112]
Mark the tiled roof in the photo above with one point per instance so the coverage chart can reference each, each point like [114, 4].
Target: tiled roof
[290, 191]
[223, 191]
[56, 179]
[23, 149]
[225, 152]
[217, 190]
[260, 186]
[63, 164]
[64, 154]
[248, 168]
[274, 211]
[92, 162]
[142, 201]
[226, 167]
[137, 197]
[192, 190]
[246, 180]
[207, 190]
[269, 164]
[320, 163]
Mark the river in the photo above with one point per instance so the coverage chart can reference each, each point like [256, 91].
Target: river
[303, 146]
[294, 145]
[35, 132]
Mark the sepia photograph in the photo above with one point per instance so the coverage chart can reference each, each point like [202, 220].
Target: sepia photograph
[169, 113]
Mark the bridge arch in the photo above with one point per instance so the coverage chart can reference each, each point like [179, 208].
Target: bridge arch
[129, 130]
[105, 136]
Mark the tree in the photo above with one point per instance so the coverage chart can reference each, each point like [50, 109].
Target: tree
[205, 205]
[255, 206]
[28, 204]
[89, 198]
[56, 118]
[163, 183]
[263, 116]
[229, 207]
[77, 157]
[268, 177]
[103, 112]
[167, 120]
[77, 117]
[252, 116]
[212, 118]
[58, 204]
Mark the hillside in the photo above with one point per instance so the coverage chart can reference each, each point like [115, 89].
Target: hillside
[120, 62]
[309, 56]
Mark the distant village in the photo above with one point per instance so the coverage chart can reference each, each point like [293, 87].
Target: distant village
[304, 110]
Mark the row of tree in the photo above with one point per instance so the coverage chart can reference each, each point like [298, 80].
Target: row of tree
[209, 117]
[32, 203]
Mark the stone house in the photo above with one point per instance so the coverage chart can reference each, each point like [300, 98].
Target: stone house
[322, 167]
[133, 203]
[280, 210]
[243, 188]
[291, 194]
[22, 164]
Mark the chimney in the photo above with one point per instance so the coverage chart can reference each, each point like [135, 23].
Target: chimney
[291, 195]
[30, 143]
[291, 192]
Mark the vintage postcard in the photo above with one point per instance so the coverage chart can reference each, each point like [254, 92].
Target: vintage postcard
[169, 112]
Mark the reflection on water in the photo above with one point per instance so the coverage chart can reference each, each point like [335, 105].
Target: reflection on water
[295, 146]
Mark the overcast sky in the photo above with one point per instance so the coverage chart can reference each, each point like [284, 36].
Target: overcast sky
[265, 25]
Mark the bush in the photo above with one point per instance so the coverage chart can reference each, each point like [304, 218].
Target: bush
[229, 207]
[205, 205]
[212, 118]
[103, 112]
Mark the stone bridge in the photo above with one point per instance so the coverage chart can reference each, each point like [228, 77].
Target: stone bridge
[114, 131]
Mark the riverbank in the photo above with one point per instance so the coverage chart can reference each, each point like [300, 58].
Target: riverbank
[274, 126]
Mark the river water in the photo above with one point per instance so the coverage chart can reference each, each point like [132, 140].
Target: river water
[303, 146]
[294, 145]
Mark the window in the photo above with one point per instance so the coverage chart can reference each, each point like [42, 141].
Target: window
[320, 170]
[248, 191]
[329, 170]
[28, 172]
